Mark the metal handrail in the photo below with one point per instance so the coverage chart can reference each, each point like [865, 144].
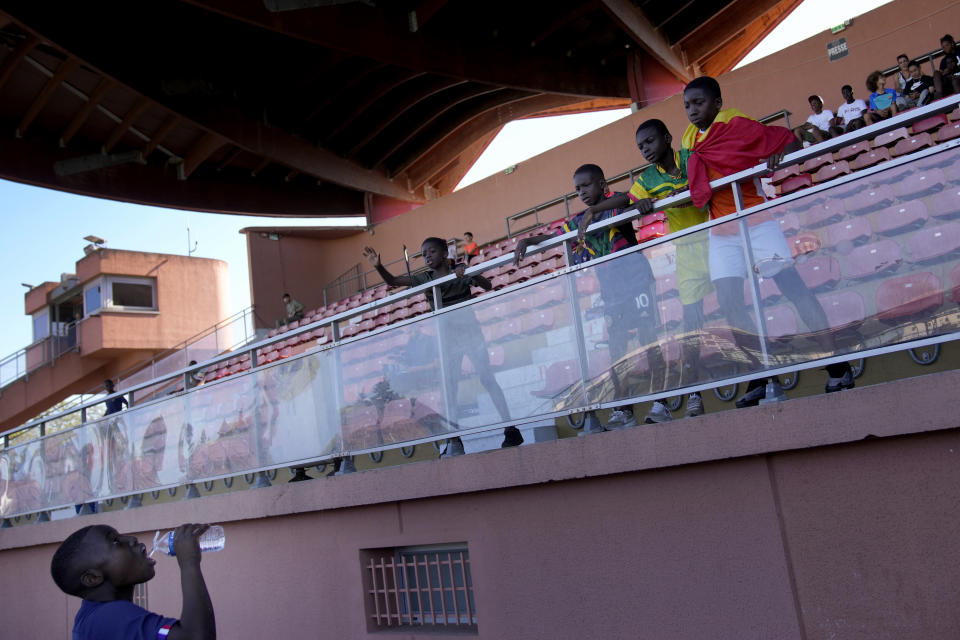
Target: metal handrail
[940, 106]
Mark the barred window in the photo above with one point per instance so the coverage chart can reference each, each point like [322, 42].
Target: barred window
[421, 586]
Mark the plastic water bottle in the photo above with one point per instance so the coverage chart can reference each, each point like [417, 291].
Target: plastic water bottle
[213, 539]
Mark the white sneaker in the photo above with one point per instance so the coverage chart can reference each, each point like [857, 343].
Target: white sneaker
[658, 413]
[620, 419]
[694, 405]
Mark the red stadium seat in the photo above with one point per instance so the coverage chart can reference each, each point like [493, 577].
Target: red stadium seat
[946, 204]
[286, 352]
[789, 223]
[487, 312]
[822, 214]
[852, 230]
[769, 291]
[832, 171]
[820, 272]
[929, 123]
[558, 377]
[651, 231]
[780, 175]
[500, 282]
[921, 183]
[948, 132]
[870, 158]
[853, 150]
[820, 161]
[873, 259]
[521, 275]
[908, 296]
[538, 321]
[934, 243]
[804, 243]
[587, 283]
[909, 145]
[870, 200]
[890, 138]
[898, 218]
[349, 331]
[780, 321]
[795, 183]
[843, 308]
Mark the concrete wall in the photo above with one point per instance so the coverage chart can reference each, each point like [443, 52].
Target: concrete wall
[781, 81]
[823, 517]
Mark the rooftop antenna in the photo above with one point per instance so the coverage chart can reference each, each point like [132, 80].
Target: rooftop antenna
[191, 248]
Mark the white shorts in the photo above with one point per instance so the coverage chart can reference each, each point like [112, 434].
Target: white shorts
[771, 253]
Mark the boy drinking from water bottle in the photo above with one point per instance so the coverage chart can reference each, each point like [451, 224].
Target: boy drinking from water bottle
[102, 566]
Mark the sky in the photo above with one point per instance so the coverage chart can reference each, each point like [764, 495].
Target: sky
[42, 230]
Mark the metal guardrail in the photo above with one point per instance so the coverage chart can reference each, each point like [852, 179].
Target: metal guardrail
[261, 413]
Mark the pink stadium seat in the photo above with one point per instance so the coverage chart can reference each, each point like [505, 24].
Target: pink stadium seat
[890, 138]
[420, 308]
[400, 314]
[954, 115]
[898, 218]
[587, 284]
[500, 282]
[491, 312]
[870, 200]
[650, 218]
[908, 296]
[909, 145]
[780, 321]
[921, 183]
[526, 301]
[349, 331]
[853, 150]
[521, 275]
[769, 291]
[832, 171]
[820, 272]
[651, 231]
[795, 183]
[822, 214]
[538, 321]
[286, 352]
[929, 123]
[667, 285]
[946, 204]
[367, 325]
[873, 259]
[852, 230]
[948, 132]
[497, 355]
[789, 223]
[671, 313]
[820, 161]
[804, 243]
[933, 243]
[870, 158]
[557, 377]
[780, 175]
[843, 308]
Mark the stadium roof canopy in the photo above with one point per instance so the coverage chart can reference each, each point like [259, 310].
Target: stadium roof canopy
[320, 107]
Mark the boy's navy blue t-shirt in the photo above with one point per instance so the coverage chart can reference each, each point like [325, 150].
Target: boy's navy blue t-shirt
[119, 620]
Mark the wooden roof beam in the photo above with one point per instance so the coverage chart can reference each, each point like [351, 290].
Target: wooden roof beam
[203, 149]
[160, 134]
[66, 67]
[378, 92]
[734, 50]
[721, 26]
[16, 56]
[81, 116]
[139, 106]
[636, 24]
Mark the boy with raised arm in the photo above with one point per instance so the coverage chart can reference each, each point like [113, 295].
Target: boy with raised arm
[723, 142]
[468, 336]
[102, 566]
[623, 309]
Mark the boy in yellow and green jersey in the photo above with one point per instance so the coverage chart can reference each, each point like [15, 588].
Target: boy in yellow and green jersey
[666, 176]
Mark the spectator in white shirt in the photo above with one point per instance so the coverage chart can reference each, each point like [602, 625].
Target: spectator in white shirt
[817, 127]
[852, 114]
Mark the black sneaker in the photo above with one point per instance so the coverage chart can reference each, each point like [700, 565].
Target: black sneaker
[752, 398]
[511, 438]
[841, 383]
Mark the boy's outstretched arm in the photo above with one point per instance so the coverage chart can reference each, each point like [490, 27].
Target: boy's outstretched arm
[521, 249]
[394, 281]
[196, 618]
[774, 161]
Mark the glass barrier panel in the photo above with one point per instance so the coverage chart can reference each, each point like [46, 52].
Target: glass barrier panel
[67, 464]
[872, 263]
[22, 474]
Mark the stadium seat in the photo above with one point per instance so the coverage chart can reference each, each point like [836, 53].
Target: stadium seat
[558, 377]
[587, 283]
[948, 132]
[667, 285]
[501, 281]
[946, 204]
[890, 138]
[853, 150]
[899, 218]
[651, 231]
[804, 243]
[852, 230]
[496, 354]
[870, 200]
[521, 275]
[671, 313]
[873, 259]
[820, 272]
[822, 214]
[780, 321]
[789, 223]
[538, 321]
[780, 175]
[908, 296]
[832, 171]
[921, 183]
[487, 312]
[400, 314]
[420, 308]
[909, 145]
[795, 183]
[650, 218]
[349, 331]
[870, 158]
[769, 291]
[820, 161]
[934, 243]
[929, 123]
[843, 308]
